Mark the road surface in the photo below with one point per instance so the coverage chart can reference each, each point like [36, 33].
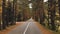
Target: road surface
[29, 27]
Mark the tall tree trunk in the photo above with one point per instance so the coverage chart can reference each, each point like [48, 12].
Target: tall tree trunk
[15, 10]
[59, 8]
[4, 14]
[51, 13]
[11, 11]
[38, 11]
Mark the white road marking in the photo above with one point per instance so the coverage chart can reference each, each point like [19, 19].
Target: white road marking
[26, 28]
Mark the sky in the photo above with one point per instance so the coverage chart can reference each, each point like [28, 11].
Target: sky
[30, 5]
[45, 0]
[30, 0]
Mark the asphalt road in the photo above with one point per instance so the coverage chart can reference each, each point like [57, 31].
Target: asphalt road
[29, 27]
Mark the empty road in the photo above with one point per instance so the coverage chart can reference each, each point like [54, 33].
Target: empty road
[29, 27]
